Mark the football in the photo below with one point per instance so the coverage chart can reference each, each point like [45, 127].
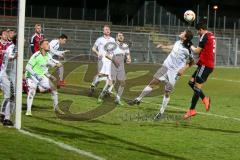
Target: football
[189, 16]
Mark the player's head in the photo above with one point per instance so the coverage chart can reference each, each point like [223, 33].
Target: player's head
[62, 39]
[44, 45]
[120, 37]
[11, 34]
[201, 27]
[106, 30]
[38, 28]
[186, 36]
[4, 35]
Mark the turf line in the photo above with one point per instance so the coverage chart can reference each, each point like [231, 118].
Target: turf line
[202, 113]
[62, 145]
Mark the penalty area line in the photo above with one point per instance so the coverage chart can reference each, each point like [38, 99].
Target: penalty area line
[62, 145]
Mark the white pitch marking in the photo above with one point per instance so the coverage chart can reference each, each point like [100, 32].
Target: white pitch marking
[63, 145]
[202, 113]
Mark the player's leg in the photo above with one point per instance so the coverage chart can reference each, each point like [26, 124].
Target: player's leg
[60, 71]
[170, 82]
[158, 76]
[120, 92]
[121, 77]
[148, 89]
[32, 85]
[106, 70]
[97, 78]
[105, 90]
[191, 82]
[200, 79]
[6, 101]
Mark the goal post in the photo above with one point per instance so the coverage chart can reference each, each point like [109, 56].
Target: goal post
[20, 44]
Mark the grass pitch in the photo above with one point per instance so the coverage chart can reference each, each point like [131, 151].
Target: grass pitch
[127, 132]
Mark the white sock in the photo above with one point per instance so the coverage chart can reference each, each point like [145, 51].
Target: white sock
[55, 99]
[98, 79]
[145, 92]
[164, 104]
[3, 106]
[119, 93]
[95, 80]
[30, 97]
[110, 88]
[60, 73]
[7, 110]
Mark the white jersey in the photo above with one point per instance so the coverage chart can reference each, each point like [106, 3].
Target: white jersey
[178, 57]
[120, 52]
[100, 44]
[54, 48]
[9, 66]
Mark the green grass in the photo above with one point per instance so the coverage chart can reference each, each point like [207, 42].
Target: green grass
[126, 132]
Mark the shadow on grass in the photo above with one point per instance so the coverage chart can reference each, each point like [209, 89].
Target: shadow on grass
[96, 137]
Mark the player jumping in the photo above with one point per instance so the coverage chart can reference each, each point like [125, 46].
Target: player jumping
[206, 51]
[175, 64]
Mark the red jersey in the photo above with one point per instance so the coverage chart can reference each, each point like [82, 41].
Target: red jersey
[34, 42]
[3, 47]
[208, 44]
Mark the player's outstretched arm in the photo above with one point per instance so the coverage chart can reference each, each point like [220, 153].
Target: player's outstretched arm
[164, 46]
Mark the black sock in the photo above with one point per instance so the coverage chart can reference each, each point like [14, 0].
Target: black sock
[195, 97]
[191, 84]
[202, 96]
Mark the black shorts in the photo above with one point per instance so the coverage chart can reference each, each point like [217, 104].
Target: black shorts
[201, 74]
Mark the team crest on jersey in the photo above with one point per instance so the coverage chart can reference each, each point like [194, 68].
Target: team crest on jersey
[110, 46]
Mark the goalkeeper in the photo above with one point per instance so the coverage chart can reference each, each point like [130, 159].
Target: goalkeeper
[37, 75]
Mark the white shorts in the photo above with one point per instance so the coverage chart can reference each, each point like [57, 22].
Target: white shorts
[168, 77]
[5, 84]
[44, 84]
[104, 67]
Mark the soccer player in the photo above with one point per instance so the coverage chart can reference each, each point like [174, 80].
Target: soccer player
[6, 81]
[104, 64]
[206, 51]
[59, 55]
[117, 56]
[36, 38]
[11, 36]
[174, 65]
[37, 75]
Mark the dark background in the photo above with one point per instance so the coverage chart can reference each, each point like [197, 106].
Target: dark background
[120, 8]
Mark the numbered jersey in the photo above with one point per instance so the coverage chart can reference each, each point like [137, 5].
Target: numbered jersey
[206, 56]
[178, 57]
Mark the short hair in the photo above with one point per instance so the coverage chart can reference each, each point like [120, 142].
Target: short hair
[201, 25]
[42, 41]
[37, 25]
[10, 30]
[119, 33]
[106, 25]
[63, 36]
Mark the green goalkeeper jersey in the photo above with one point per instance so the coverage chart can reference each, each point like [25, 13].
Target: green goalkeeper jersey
[39, 64]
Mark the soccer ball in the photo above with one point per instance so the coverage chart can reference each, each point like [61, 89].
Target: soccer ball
[189, 16]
